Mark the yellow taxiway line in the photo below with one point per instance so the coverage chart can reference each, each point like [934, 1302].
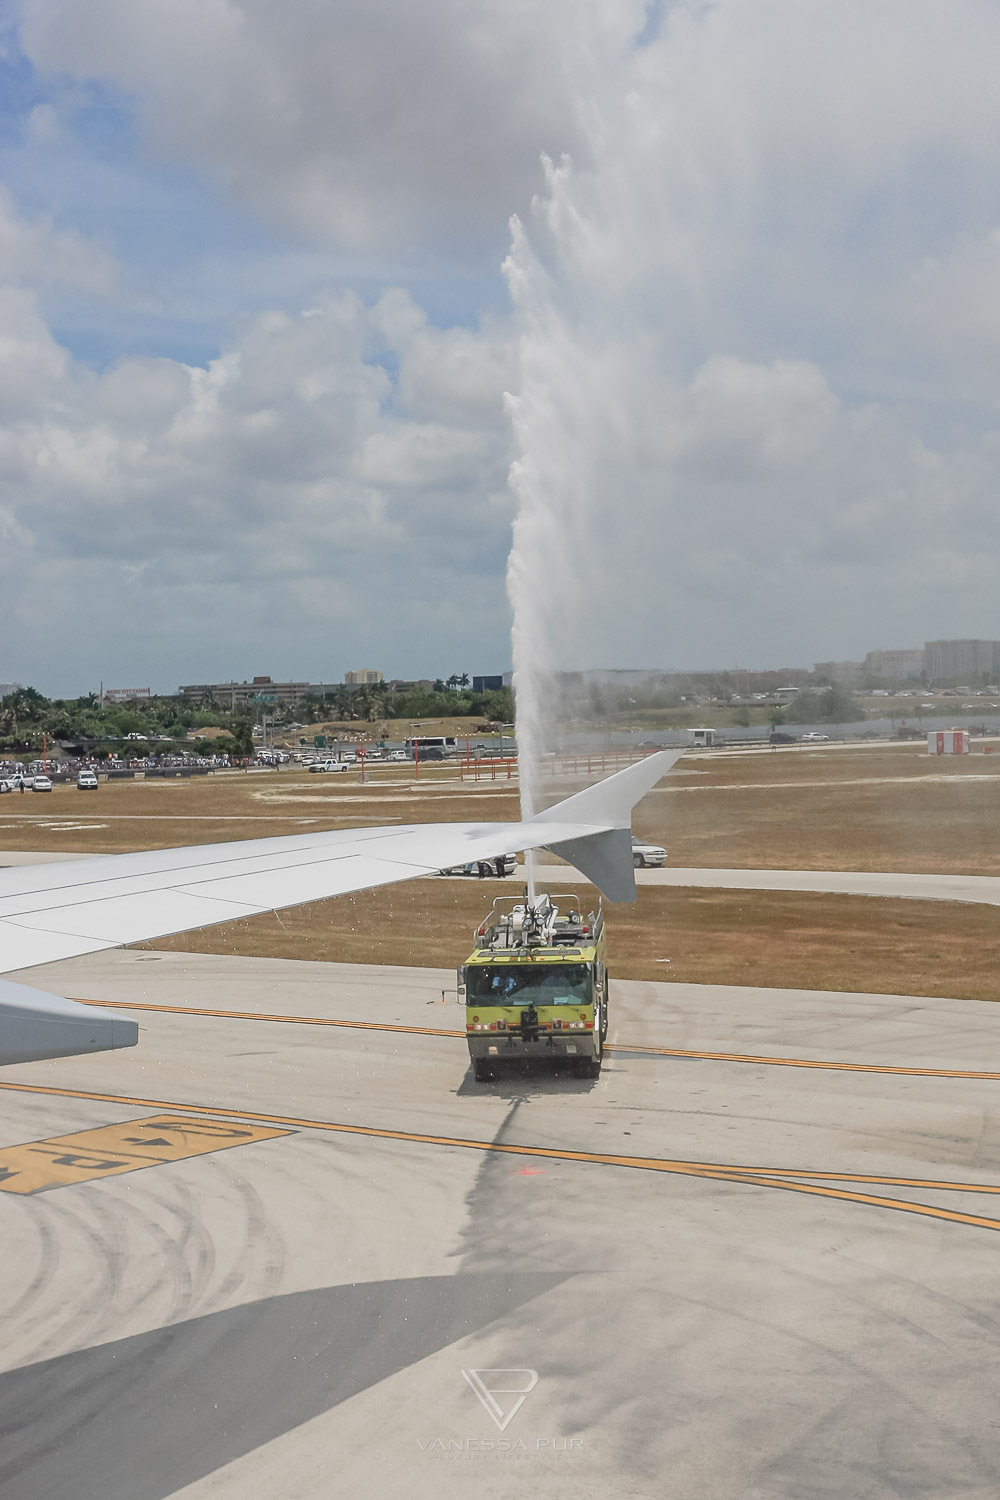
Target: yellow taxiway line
[782, 1178]
[679, 1052]
[255, 1015]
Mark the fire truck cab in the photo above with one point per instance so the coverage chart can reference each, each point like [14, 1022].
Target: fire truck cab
[536, 985]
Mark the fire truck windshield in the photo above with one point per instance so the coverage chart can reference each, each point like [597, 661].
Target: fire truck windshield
[528, 984]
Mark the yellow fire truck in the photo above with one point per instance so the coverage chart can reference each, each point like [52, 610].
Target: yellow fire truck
[536, 985]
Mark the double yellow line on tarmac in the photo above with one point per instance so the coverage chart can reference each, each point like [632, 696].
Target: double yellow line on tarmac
[785, 1179]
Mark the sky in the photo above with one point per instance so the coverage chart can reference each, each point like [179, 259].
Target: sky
[302, 307]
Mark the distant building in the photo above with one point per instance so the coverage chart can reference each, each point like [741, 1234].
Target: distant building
[844, 673]
[908, 663]
[8, 687]
[363, 677]
[260, 690]
[488, 684]
[403, 685]
[965, 660]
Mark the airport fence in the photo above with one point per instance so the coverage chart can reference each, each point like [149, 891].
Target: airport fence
[488, 770]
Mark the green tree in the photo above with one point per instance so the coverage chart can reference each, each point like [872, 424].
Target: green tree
[241, 730]
[836, 706]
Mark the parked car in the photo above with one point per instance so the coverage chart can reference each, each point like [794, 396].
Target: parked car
[398, 755]
[778, 737]
[813, 736]
[644, 854]
[41, 784]
[503, 864]
[86, 781]
[328, 765]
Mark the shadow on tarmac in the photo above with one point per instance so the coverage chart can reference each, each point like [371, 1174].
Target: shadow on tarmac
[530, 1077]
[146, 1415]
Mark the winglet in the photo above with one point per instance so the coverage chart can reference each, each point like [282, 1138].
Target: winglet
[605, 857]
[610, 802]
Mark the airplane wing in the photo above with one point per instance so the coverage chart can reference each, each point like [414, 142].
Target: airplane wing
[50, 912]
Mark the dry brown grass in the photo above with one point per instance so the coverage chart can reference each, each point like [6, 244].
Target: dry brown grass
[886, 809]
[831, 810]
[796, 811]
[773, 939]
[124, 815]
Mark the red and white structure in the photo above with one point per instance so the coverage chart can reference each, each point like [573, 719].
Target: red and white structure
[948, 742]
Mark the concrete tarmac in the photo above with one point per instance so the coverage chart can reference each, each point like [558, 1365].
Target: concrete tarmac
[760, 1261]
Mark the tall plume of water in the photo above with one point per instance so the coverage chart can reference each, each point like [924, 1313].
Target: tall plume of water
[724, 309]
[577, 440]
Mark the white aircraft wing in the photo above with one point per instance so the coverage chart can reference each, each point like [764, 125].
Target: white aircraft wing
[50, 912]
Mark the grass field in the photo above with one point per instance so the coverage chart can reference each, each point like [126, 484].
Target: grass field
[785, 940]
[888, 809]
[891, 808]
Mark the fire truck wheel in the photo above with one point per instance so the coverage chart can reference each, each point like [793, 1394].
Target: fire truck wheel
[485, 1072]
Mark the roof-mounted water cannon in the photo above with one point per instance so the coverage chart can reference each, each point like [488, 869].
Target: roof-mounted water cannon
[534, 921]
[515, 925]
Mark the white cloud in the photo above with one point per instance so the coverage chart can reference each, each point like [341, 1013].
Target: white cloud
[34, 253]
[296, 484]
[371, 123]
[753, 358]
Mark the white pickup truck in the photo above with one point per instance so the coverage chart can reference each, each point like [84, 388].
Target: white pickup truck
[644, 854]
[329, 765]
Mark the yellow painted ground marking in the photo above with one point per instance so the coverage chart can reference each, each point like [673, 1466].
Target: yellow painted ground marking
[781, 1178]
[109, 1150]
[255, 1015]
[680, 1052]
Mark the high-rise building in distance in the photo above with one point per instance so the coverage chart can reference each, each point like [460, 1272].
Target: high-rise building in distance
[952, 660]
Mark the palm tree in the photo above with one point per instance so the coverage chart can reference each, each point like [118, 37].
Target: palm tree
[463, 681]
